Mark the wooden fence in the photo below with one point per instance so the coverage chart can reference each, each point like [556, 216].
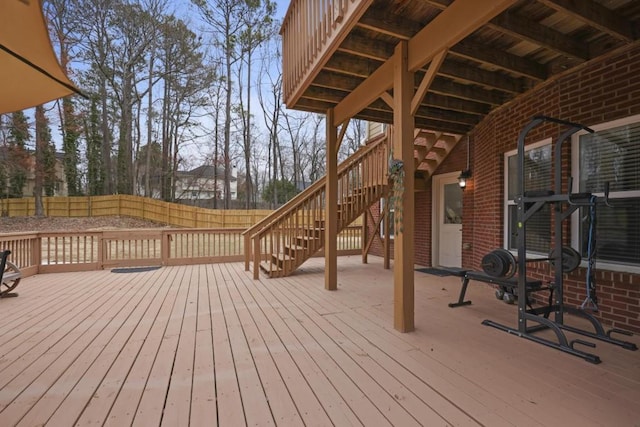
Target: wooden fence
[172, 214]
[63, 251]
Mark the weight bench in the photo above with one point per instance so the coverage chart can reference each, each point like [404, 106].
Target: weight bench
[507, 286]
[10, 276]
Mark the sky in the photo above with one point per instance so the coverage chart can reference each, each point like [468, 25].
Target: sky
[185, 10]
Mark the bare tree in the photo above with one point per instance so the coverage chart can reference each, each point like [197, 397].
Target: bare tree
[225, 19]
[62, 18]
[258, 28]
[184, 75]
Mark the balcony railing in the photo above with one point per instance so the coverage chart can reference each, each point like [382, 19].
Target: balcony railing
[312, 30]
[64, 251]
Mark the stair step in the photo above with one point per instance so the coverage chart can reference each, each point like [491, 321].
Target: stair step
[314, 232]
[282, 258]
[271, 269]
[303, 241]
[294, 249]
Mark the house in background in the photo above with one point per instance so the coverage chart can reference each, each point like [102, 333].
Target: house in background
[205, 182]
[60, 185]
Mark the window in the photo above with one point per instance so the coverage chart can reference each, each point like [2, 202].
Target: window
[537, 167]
[610, 155]
[391, 220]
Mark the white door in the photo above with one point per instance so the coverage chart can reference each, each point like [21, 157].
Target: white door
[447, 231]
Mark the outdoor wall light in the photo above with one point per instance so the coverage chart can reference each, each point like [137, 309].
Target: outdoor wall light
[462, 179]
[466, 174]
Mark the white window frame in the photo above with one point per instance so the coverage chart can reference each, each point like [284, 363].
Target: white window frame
[507, 202]
[575, 173]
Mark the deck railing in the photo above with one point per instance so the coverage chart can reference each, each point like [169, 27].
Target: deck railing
[65, 251]
[311, 31]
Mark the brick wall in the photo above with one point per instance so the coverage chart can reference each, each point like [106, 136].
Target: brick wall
[597, 92]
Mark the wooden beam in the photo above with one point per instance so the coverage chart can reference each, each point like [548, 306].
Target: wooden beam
[387, 98]
[360, 68]
[428, 78]
[501, 59]
[403, 125]
[403, 29]
[350, 65]
[381, 21]
[343, 130]
[331, 206]
[387, 239]
[359, 46]
[468, 92]
[448, 28]
[452, 25]
[597, 16]
[459, 71]
[531, 31]
[379, 81]
[317, 106]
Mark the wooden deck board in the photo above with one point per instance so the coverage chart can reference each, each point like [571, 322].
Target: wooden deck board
[79, 368]
[102, 405]
[203, 396]
[207, 345]
[279, 398]
[390, 347]
[303, 375]
[256, 408]
[39, 366]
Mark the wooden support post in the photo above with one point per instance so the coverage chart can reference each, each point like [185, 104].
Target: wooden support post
[403, 123]
[364, 233]
[387, 240]
[331, 207]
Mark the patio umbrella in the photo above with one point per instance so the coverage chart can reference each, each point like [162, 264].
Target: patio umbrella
[29, 71]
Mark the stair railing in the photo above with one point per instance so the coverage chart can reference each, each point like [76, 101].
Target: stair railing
[295, 232]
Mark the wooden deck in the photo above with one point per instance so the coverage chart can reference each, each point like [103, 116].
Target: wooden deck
[206, 345]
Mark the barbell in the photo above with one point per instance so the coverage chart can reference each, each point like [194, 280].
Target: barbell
[502, 263]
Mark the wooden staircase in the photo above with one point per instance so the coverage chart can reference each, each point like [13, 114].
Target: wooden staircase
[281, 242]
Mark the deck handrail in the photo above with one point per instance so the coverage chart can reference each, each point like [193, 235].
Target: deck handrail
[299, 198]
[86, 250]
[311, 31]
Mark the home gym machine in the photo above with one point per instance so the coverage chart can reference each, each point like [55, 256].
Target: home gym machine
[563, 204]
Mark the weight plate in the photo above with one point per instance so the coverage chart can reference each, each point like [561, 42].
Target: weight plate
[509, 260]
[571, 259]
[494, 265]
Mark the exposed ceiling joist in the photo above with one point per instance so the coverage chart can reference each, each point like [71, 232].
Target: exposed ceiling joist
[522, 28]
[334, 96]
[597, 16]
[402, 28]
[371, 49]
[497, 49]
[360, 67]
[503, 60]
[336, 81]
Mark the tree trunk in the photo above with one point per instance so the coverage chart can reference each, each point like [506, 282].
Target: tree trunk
[39, 166]
[107, 184]
[247, 146]
[227, 124]
[147, 169]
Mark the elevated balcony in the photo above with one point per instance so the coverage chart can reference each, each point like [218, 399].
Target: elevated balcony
[468, 56]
